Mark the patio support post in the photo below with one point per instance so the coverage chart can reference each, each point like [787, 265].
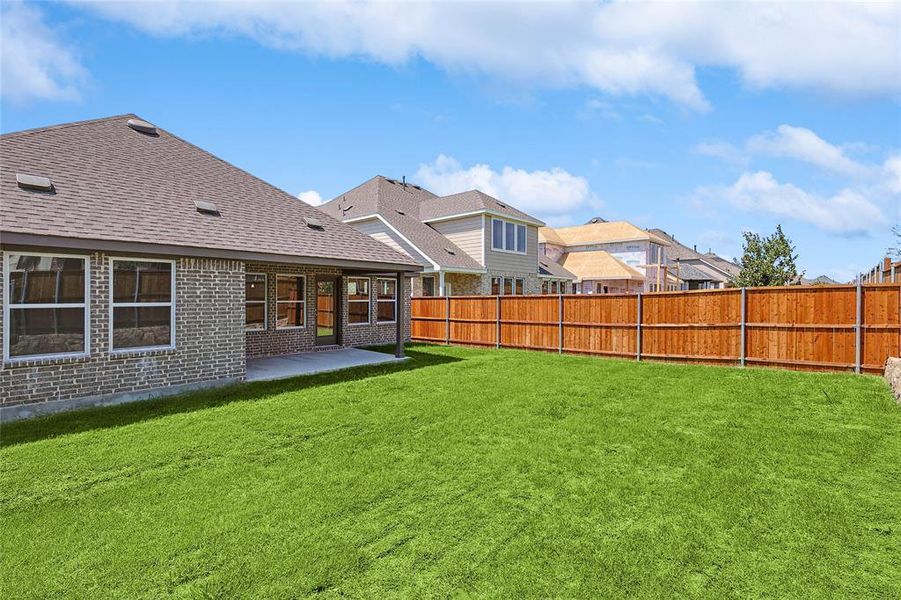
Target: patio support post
[440, 283]
[744, 319]
[399, 317]
[857, 323]
[638, 331]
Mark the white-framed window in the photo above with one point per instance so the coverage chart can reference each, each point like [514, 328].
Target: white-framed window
[358, 300]
[495, 286]
[45, 300]
[142, 304]
[386, 300]
[507, 236]
[519, 286]
[290, 301]
[255, 297]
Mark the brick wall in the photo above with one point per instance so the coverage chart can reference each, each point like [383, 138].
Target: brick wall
[273, 341]
[209, 340]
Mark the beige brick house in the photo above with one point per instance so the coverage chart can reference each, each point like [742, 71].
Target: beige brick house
[468, 243]
[133, 260]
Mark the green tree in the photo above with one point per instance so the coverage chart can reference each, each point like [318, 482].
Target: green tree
[767, 261]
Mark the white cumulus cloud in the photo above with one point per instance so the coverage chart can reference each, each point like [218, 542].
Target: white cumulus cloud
[619, 48]
[311, 197]
[541, 193]
[803, 144]
[848, 212]
[35, 64]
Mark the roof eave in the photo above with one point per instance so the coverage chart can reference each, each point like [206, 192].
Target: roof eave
[13, 240]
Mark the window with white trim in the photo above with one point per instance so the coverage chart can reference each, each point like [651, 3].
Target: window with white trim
[520, 286]
[143, 311]
[255, 295]
[386, 300]
[290, 301]
[357, 300]
[495, 286]
[46, 309]
[507, 236]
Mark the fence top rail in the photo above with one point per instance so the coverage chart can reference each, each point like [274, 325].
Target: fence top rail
[770, 289]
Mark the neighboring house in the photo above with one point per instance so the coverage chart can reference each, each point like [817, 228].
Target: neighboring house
[705, 271]
[888, 271]
[821, 280]
[610, 257]
[133, 261]
[468, 243]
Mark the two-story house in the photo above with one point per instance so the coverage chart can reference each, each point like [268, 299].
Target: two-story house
[468, 243]
[610, 257]
[698, 271]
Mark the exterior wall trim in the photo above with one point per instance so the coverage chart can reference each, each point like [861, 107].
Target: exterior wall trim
[492, 213]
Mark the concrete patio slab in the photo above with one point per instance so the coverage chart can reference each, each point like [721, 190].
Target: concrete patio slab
[308, 363]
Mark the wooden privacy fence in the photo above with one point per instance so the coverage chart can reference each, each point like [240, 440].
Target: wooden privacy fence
[817, 328]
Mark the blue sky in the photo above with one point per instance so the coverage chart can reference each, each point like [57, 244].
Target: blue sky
[636, 113]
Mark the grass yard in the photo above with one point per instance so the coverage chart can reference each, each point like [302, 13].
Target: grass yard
[467, 472]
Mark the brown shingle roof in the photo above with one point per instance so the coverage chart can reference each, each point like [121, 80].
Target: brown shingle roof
[112, 183]
[549, 268]
[469, 202]
[399, 205]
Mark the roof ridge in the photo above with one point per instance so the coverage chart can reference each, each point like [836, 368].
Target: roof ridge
[66, 125]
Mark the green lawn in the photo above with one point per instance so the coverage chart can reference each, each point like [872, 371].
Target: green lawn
[467, 472]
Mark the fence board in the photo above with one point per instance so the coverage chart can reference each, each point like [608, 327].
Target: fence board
[472, 320]
[809, 328]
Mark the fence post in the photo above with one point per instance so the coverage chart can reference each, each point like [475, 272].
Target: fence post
[497, 322]
[447, 320]
[744, 320]
[638, 331]
[560, 323]
[857, 332]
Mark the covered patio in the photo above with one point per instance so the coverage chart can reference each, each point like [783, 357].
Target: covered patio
[266, 368]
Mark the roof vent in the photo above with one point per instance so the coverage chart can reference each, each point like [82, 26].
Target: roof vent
[142, 126]
[207, 208]
[449, 251]
[501, 204]
[313, 223]
[399, 211]
[344, 209]
[34, 182]
[390, 180]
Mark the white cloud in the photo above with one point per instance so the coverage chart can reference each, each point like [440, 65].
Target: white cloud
[847, 212]
[311, 197]
[541, 193]
[892, 169]
[35, 65]
[620, 48]
[804, 145]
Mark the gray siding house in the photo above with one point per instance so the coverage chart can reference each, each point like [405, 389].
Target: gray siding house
[468, 243]
[134, 262]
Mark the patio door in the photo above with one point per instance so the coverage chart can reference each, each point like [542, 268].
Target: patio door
[328, 323]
